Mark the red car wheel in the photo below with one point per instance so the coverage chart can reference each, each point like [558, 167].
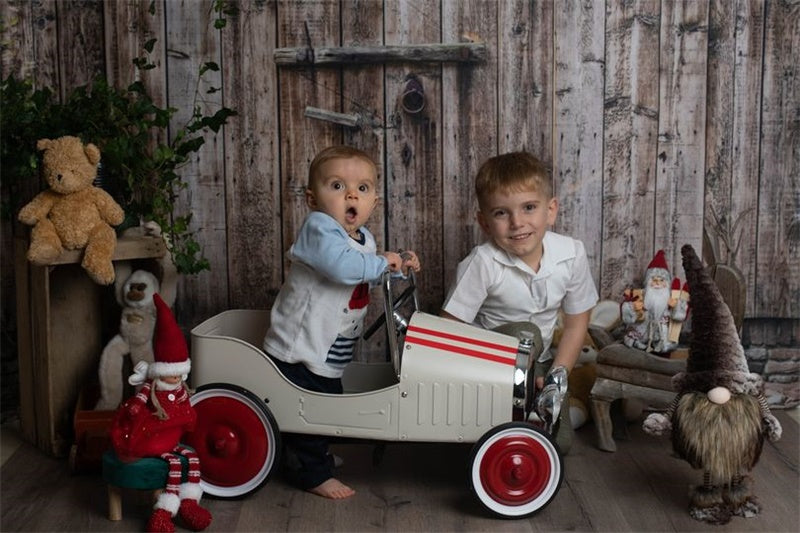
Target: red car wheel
[237, 440]
[515, 470]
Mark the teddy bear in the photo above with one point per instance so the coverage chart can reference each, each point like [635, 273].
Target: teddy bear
[72, 214]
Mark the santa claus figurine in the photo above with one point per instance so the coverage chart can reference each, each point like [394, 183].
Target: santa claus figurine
[650, 313]
[151, 424]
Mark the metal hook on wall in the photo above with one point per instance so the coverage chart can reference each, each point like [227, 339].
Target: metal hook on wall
[413, 98]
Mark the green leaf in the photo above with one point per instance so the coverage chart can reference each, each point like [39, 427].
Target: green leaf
[190, 145]
[210, 65]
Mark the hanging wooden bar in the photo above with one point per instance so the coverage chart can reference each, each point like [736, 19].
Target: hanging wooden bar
[418, 53]
[343, 119]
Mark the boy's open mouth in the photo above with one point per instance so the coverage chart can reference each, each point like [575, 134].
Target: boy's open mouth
[351, 214]
[520, 237]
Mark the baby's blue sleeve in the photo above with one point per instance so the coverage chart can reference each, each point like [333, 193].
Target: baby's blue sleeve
[323, 245]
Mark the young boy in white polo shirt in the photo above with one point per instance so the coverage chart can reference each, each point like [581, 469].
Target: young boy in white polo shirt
[525, 273]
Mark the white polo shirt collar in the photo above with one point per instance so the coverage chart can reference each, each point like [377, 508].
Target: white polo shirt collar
[551, 256]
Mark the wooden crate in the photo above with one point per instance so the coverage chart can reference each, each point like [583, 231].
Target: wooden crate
[61, 316]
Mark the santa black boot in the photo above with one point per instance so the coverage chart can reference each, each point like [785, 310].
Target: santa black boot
[165, 508]
[196, 517]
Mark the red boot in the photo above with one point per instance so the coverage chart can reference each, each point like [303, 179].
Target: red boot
[160, 522]
[196, 517]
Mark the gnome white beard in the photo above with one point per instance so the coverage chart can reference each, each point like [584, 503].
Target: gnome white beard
[655, 301]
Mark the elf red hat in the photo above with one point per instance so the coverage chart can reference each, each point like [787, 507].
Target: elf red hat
[169, 345]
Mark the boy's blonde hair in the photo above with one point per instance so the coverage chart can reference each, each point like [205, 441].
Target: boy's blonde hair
[337, 152]
[514, 171]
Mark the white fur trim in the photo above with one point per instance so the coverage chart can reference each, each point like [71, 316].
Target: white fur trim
[657, 271]
[169, 502]
[157, 370]
[192, 491]
[656, 424]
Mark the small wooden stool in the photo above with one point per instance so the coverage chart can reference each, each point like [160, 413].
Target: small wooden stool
[149, 473]
[624, 372]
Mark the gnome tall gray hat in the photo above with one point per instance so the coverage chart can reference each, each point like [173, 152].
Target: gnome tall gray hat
[716, 357]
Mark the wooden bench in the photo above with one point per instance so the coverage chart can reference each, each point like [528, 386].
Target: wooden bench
[624, 373]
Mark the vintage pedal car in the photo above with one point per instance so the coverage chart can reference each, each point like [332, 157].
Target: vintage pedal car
[446, 382]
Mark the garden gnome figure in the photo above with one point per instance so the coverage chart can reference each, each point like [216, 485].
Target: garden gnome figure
[151, 424]
[720, 416]
[648, 314]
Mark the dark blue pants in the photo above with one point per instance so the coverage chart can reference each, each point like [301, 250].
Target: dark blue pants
[307, 462]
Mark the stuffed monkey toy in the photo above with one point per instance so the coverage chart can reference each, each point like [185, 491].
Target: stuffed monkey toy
[134, 338]
[134, 293]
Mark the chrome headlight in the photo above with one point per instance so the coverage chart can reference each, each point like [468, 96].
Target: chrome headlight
[524, 381]
[550, 400]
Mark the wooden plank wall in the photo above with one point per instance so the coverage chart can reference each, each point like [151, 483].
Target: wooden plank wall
[651, 113]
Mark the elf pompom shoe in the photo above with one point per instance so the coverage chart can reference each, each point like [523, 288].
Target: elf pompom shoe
[196, 517]
[160, 522]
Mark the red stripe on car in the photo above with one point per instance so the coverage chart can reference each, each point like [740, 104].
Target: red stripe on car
[459, 350]
[459, 338]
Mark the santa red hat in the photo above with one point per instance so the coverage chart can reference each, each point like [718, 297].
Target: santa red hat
[657, 267]
[169, 345]
[716, 356]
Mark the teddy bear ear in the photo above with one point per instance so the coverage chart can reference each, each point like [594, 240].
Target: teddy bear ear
[44, 144]
[92, 153]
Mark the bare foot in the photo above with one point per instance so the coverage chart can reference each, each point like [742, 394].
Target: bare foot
[333, 489]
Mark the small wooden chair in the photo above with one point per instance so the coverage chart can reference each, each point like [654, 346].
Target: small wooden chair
[149, 473]
[624, 372]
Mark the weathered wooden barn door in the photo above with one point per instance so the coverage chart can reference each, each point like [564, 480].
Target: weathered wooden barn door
[413, 118]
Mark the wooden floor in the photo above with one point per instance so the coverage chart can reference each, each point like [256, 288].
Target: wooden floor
[422, 487]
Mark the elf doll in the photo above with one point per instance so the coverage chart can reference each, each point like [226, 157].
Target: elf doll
[151, 424]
